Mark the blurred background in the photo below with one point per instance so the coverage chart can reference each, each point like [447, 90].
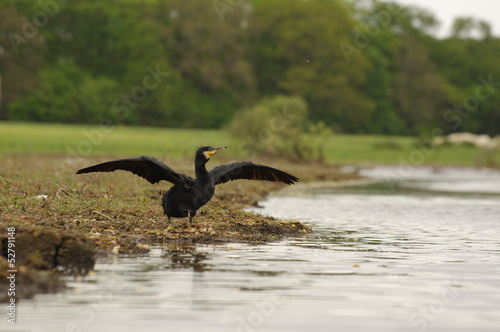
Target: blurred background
[352, 67]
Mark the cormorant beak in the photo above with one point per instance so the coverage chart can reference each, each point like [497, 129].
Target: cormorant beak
[210, 153]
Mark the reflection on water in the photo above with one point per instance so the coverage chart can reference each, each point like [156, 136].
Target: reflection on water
[414, 253]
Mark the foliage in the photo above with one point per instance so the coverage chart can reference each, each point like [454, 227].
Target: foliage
[362, 66]
[279, 126]
[298, 53]
[66, 94]
[20, 58]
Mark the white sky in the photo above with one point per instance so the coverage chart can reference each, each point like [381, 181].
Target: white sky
[447, 10]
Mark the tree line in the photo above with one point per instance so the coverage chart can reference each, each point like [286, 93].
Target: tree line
[361, 66]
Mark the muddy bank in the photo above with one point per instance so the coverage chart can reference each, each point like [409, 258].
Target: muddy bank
[63, 221]
[39, 257]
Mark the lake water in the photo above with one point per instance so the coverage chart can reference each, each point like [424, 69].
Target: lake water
[412, 250]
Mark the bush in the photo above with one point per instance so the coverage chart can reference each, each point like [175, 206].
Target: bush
[279, 126]
[65, 93]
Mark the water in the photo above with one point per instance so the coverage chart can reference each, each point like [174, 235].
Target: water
[414, 251]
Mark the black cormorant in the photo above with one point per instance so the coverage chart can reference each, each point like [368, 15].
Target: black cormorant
[189, 194]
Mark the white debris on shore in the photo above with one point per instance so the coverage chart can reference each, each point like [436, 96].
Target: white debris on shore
[483, 142]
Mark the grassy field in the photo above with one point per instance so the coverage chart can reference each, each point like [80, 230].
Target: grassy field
[166, 143]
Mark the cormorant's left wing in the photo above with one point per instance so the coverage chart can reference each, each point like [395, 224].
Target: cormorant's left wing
[249, 171]
[146, 167]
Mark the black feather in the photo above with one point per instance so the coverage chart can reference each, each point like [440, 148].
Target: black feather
[249, 171]
[146, 167]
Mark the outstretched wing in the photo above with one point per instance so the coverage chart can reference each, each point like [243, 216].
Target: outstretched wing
[146, 167]
[250, 171]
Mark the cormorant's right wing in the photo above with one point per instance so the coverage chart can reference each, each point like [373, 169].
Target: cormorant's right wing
[249, 171]
[146, 167]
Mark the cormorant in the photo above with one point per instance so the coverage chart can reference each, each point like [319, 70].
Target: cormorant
[189, 194]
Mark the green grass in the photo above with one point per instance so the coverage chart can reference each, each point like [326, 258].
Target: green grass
[396, 149]
[91, 140]
[19, 138]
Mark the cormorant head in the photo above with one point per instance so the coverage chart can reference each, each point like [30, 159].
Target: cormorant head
[206, 152]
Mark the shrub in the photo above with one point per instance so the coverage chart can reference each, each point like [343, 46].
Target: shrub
[66, 94]
[279, 126]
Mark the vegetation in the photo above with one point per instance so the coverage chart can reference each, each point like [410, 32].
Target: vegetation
[365, 67]
[279, 127]
[77, 143]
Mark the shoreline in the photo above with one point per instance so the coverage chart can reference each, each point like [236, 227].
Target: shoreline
[65, 221]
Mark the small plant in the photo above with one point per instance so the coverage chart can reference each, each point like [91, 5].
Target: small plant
[279, 126]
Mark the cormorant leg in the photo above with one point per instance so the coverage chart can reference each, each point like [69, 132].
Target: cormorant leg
[168, 219]
[190, 216]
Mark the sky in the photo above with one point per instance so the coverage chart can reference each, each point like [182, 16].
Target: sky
[447, 10]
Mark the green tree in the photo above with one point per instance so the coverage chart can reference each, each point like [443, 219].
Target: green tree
[420, 93]
[22, 54]
[210, 56]
[470, 27]
[467, 63]
[298, 51]
[375, 33]
[410, 92]
[365, 66]
[65, 93]
[117, 42]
